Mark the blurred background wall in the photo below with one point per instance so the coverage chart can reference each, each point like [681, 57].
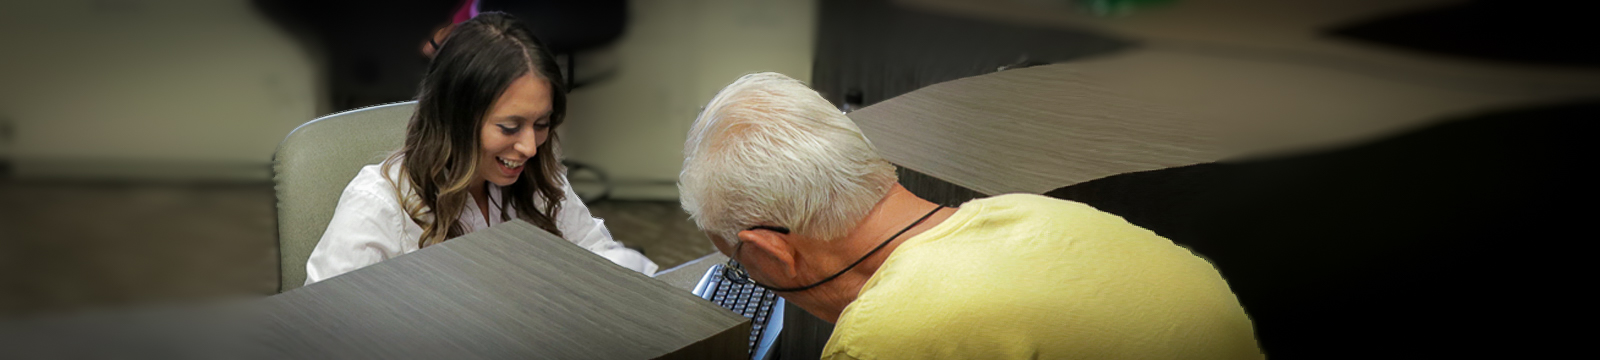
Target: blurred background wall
[148, 88]
[205, 89]
[136, 136]
[674, 57]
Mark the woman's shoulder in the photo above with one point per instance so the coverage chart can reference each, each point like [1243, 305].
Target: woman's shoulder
[377, 180]
[373, 191]
[368, 178]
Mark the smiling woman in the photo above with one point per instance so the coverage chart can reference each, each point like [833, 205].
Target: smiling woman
[514, 129]
[483, 131]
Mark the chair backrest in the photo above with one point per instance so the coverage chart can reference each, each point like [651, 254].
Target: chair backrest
[314, 164]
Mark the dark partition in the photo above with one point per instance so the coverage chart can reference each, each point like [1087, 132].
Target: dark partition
[1458, 238]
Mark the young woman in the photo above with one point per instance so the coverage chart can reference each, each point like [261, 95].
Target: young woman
[480, 150]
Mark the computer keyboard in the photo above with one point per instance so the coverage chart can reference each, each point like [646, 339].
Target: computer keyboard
[763, 307]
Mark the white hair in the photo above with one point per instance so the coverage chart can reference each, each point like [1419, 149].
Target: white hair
[767, 150]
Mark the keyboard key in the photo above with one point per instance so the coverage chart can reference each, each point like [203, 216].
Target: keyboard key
[747, 300]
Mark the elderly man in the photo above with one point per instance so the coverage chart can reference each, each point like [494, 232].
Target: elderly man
[790, 189]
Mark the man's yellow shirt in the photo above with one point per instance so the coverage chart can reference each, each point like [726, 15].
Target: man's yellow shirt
[1031, 277]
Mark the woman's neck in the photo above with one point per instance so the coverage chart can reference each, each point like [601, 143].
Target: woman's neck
[480, 196]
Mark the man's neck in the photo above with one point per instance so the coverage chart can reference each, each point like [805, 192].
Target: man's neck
[899, 209]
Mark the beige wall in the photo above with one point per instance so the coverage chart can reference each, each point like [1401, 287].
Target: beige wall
[207, 88]
[105, 88]
[674, 57]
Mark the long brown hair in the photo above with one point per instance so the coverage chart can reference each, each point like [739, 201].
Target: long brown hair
[472, 67]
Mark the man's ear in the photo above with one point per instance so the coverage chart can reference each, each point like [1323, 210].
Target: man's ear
[773, 250]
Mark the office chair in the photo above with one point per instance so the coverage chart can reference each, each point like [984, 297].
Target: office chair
[311, 168]
[317, 160]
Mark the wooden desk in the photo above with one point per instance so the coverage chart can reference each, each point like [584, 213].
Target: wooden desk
[510, 291]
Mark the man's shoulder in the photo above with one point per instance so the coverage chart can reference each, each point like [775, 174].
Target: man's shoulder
[1019, 209]
[1029, 201]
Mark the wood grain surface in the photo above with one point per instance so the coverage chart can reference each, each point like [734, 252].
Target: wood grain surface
[508, 292]
[1030, 130]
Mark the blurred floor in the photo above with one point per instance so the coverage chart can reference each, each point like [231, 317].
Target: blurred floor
[661, 228]
[72, 246]
[76, 245]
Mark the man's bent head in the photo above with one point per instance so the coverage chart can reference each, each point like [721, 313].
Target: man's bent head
[769, 151]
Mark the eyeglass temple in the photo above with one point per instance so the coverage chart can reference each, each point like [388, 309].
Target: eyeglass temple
[778, 229]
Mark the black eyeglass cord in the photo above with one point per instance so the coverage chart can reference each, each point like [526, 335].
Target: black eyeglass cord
[858, 261]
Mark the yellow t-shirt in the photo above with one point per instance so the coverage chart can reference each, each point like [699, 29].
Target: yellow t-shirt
[1031, 277]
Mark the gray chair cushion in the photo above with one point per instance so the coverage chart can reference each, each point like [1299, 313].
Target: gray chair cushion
[313, 165]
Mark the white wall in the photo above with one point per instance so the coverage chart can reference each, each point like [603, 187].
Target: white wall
[111, 87]
[673, 58]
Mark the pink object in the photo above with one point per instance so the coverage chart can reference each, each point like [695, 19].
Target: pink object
[467, 11]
